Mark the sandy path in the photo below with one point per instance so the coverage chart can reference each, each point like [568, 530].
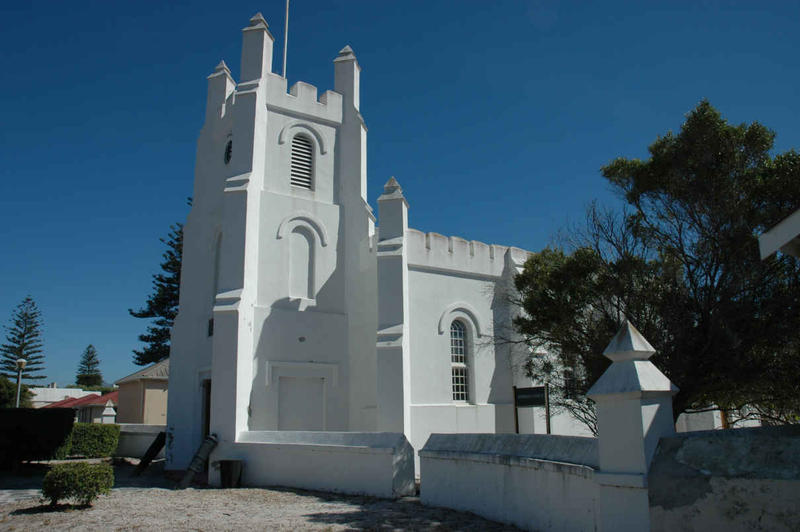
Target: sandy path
[253, 509]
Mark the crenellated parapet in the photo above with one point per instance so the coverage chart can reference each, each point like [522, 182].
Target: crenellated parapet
[301, 100]
[432, 251]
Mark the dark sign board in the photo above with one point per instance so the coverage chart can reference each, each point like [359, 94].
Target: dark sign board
[529, 396]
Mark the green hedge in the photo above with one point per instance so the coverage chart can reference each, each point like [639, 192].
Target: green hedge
[33, 434]
[80, 482]
[91, 440]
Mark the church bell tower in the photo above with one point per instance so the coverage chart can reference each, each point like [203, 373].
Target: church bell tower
[278, 297]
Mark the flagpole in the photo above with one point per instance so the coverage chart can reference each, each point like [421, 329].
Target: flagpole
[285, 37]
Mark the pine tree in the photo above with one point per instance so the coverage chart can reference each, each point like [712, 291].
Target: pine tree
[23, 340]
[8, 394]
[89, 368]
[162, 305]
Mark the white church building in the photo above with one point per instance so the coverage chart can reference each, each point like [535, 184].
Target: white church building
[299, 310]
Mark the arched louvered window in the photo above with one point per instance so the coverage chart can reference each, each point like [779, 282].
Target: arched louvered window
[458, 361]
[302, 162]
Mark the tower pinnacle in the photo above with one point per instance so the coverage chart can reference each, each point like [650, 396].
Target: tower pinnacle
[258, 19]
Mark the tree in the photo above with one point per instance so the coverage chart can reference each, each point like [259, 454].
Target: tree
[682, 263]
[23, 340]
[89, 368]
[162, 304]
[8, 394]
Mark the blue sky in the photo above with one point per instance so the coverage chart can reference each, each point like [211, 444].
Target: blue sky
[494, 116]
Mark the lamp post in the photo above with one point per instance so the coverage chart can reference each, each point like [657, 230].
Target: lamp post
[21, 362]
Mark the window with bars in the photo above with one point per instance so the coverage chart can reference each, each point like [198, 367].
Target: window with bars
[302, 172]
[458, 361]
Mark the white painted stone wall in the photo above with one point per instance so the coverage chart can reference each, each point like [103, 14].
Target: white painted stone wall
[536, 482]
[136, 438]
[743, 479]
[377, 464]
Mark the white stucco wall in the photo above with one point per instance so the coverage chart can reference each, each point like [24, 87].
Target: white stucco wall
[136, 438]
[534, 482]
[743, 479]
[377, 464]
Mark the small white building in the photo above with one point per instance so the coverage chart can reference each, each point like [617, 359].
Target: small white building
[43, 396]
[296, 311]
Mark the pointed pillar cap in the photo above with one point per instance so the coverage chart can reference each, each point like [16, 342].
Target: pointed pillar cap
[346, 54]
[258, 22]
[628, 344]
[222, 67]
[221, 70]
[392, 186]
[392, 190]
[257, 19]
[631, 373]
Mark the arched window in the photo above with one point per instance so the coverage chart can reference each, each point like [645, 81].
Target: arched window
[459, 358]
[302, 172]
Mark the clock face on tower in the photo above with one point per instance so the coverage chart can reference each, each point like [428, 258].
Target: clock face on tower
[228, 152]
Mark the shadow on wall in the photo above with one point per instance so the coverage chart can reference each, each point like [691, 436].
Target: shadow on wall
[501, 390]
[312, 372]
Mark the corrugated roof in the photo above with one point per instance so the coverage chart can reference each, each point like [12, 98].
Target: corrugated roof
[101, 399]
[71, 402]
[87, 400]
[159, 371]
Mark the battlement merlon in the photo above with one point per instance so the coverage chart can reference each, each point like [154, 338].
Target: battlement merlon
[257, 44]
[435, 252]
[220, 86]
[347, 77]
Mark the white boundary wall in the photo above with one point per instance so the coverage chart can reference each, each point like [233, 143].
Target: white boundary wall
[520, 479]
[380, 464]
[136, 438]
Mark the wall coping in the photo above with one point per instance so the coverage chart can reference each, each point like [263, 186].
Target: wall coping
[141, 427]
[516, 448]
[359, 442]
[512, 461]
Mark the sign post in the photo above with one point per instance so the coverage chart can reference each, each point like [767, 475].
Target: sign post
[547, 405]
[531, 397]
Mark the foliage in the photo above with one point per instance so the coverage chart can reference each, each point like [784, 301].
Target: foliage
[682, 264]
[8, 394]
[23, 340]
[89, 368]
[33, 434]
[102, 389]
[80, 482]
[93, 440]
[162, 304]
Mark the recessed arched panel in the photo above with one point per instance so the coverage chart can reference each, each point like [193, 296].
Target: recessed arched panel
[217, 264]
[307, 219]
[301, 263]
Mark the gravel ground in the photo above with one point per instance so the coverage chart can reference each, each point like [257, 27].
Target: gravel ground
[132, 506]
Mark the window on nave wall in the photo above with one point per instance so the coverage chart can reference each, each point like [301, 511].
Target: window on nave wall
[302, 171]
[458, 361]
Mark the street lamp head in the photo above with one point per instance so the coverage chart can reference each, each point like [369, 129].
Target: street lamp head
[21, 363]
